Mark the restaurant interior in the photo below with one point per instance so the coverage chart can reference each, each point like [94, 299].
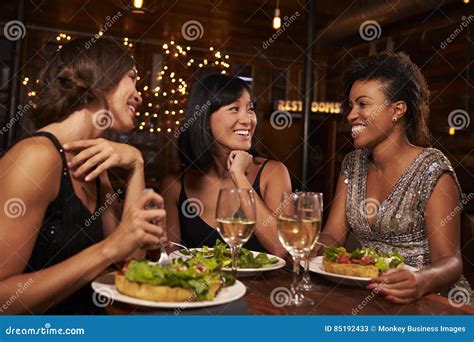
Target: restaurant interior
[292, 53]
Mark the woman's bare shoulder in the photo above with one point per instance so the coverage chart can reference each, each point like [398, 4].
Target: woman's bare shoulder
[33, 164]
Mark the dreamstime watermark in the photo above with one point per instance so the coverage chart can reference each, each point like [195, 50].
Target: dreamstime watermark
[281, 119]
[459, 296]
[280, 297]
[192, 30]
[280, 208]
[201, 288]
[21, 287]
[14, 30]
[457, 209]
[14, 208]
[46, 330]
[459, 119]
[198, 111]
[22, 110]
[370, 30]
[369, 207]
[367, 299]
[464, 23]
[108, 202]
[287, 21]
[109, 21]
[103, 119]
[192, 207]
[103, 297]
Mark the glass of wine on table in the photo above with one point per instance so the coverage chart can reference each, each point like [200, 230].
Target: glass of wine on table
[298, 226]
[235, 216]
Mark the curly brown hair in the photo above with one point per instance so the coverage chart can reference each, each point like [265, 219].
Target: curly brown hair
[80, 72]
[402, 81]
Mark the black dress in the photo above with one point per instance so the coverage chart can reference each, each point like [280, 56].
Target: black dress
[195, 232]
[68, 228]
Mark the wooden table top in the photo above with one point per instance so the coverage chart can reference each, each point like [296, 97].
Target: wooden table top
[330, 299]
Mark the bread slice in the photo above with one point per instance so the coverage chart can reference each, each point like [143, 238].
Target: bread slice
[156, 293]
[353, 270]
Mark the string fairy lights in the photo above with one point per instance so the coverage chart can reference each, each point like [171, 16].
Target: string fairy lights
[164, 97]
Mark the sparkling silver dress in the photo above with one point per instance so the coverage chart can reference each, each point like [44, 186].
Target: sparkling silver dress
[399, 220]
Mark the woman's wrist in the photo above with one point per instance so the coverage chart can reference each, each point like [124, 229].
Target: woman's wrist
[108, 251]
[240, 179]
[423, 281]
[138, 163]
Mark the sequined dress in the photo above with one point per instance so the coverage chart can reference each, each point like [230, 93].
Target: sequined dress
[399, 222]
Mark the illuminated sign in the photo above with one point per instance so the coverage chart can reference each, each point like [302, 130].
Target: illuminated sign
[316, 107]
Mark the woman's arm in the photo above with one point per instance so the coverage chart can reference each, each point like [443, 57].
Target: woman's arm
[335, 230]
[32, 192]
[276, 180]
[93, 158]
[170, 189]
[444, 242]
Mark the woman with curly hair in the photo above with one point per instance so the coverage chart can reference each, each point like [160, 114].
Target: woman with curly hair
[70, 226]
[394, 190]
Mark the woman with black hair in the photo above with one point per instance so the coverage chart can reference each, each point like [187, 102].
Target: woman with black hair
[61, 224]
[216, 151]
[394, 191]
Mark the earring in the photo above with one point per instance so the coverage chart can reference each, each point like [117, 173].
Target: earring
[394, 120]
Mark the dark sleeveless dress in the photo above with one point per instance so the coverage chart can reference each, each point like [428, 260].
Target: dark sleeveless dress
[195, 232]
[67, 229]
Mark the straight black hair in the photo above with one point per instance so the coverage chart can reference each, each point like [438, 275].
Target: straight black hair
[195, 140]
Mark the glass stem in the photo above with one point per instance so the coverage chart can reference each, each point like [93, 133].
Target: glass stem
[234, 251]
[306, 267]
[296, 268]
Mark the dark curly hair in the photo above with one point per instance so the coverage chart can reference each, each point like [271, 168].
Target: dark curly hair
[79, 73]
[402, 81]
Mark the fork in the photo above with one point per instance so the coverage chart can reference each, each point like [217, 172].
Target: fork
[164, 259]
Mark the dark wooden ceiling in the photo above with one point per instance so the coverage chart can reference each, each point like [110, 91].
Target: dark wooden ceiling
[241, 25]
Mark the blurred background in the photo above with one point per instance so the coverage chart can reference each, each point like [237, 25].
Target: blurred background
[293, 53]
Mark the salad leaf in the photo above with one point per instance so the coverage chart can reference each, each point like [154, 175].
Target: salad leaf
[358, 253]
[331, 253]
[220, 253]
[381, 265]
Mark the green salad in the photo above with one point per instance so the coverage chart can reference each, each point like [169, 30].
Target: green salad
[220, 253]
[197, 276]
[364, 256]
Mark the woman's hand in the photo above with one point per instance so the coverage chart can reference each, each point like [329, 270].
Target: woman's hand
[136, 230]
[97, 155]
[238, 162]
[398, 286]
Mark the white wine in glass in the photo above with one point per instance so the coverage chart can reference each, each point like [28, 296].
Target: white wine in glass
[236, 216]
[298, 236]
[305, 284]
[298, 226]
[235, 231]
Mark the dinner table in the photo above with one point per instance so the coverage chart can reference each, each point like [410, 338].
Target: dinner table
[262, 297]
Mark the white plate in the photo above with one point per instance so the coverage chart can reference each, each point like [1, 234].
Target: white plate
[241, 272]
[105, 286]
[316, 266]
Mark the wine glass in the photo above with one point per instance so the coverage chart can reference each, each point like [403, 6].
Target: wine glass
[305, 283]
[235, 216]
[298, 226]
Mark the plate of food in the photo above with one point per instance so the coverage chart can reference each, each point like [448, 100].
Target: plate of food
[249, 263]
[355, 268]
[183, 284]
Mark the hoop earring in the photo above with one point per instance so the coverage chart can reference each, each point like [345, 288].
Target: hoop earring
[394, 120]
